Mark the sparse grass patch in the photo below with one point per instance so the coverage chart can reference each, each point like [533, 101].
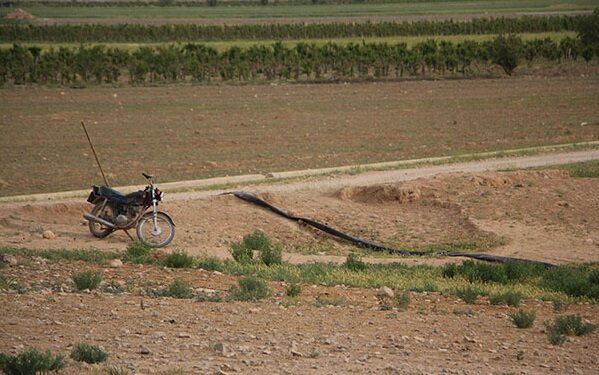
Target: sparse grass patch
[468, 294]
[250, 288]
[402, 300]
[178, 289]
[321, 301]
[216, 346]
[30, 362]
[522, 318]
[91, 256]
[354, 262]
[179, 259]
[426, 286]
[210, 264]
[87, 280]
[113, 287]
[83, 352]
[138, 252]
[509, 298]
[293, 290]
[584, 169]
[8, 283]
[117, 370]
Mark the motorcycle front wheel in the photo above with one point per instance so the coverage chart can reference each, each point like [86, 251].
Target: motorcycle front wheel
[103, 211]
[159, 235]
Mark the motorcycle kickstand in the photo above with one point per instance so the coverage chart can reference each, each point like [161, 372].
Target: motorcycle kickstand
[130, 236]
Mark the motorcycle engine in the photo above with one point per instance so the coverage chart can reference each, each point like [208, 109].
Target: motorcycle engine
[122, 220]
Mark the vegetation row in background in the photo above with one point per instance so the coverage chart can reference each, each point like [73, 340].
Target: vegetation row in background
[211, 3]
[190, 32]
[330, 62]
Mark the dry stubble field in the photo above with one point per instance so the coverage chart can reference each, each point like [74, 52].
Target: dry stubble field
[193, 132]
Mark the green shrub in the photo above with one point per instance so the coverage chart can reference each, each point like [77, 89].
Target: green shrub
[271, 255]
[572, 325]
[30, 362]
[506, 51]
[519, 271]
[242, 253]
[499, 273]
[508, 298]
[87, 280]
[178, 289]
[138, 252]
[574, 281]
[293, 290]
[555, 338]
[256, 241]
[250, 289]
[476, 271]
[178, 259]
[88, 353]
[354, 262]
[468, 294]
[522, 318]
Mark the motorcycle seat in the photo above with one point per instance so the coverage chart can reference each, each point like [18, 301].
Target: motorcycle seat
[132, 198]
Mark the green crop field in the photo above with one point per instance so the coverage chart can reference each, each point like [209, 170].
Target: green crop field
[345, 10]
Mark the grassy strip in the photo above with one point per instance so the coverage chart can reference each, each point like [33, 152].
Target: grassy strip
[222, 46]
[588, 169]
[564, 283]
[345, 10]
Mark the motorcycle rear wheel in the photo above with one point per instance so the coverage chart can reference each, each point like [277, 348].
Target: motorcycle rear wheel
[160, 236]
[105, 212]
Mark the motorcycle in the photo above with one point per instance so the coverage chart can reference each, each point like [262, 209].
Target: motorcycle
[116, 211]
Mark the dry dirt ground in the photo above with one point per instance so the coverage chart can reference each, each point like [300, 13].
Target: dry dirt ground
[542, 215]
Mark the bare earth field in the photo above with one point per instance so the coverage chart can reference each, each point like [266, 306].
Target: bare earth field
[192, 132]
[541, 215]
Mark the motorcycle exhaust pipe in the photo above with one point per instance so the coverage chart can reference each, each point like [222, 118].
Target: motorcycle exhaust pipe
[91, 217]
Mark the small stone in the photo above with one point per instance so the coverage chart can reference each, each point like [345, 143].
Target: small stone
[115, 263]
[184, 335]
[385, 291]
[10, 259]
[48, 235]
[589, 241]
[144, 350]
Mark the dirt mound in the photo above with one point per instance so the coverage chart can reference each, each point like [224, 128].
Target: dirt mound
[382, 193]
[19, 14]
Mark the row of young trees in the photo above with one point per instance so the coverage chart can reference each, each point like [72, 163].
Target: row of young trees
[304, 61]
[95, 33]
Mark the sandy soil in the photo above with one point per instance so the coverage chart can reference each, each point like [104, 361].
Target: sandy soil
[542, 215]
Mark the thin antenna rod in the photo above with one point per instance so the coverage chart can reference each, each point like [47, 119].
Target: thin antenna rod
[95, 155]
